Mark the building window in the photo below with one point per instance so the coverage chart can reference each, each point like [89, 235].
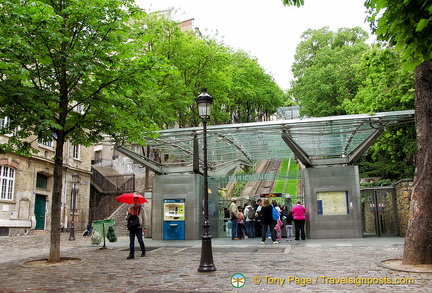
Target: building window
[5, 123]
[7, 177]
[76, 152]
[46, 143]
[41, 181]
[97, 157]
[80, 108]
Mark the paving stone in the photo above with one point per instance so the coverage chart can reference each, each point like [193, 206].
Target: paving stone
[171, 266]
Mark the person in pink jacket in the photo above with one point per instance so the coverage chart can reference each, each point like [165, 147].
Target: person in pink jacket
[299, 212]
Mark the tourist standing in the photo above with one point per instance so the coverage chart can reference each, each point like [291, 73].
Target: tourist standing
[267, 221]
[234, 218]
[250, 221]
[299, 214]
[288, 225]
[136, 211]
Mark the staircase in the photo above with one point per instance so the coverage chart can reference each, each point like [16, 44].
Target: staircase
[109, 184]
[119, 216]
[106, 185]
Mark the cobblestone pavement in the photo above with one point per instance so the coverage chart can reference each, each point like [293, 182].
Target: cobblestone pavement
[171, 266]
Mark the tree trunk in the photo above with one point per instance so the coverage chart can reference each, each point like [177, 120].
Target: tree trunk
[54, 254]
[418, 244]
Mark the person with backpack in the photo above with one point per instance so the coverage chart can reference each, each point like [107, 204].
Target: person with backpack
[136, 223]
[250, 221]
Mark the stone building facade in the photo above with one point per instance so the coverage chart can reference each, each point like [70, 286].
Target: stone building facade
[26, 186]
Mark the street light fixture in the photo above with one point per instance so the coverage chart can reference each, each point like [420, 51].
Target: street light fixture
[204, 102]
[74, 192]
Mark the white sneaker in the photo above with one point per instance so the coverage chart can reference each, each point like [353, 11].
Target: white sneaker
[262, 242]
[246, 237]
[275, 242]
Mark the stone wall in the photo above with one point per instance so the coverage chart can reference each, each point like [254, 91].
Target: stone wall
[403, 198]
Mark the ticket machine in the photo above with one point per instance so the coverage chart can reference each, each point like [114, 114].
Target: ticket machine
[174, 219]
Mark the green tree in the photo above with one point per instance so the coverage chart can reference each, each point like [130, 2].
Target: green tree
[240, 86]
[385, 86]
[407, 26]
[253, 94]
[69, 69]
[324, 74]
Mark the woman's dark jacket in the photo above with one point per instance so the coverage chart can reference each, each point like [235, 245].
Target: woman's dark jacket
[267, 214]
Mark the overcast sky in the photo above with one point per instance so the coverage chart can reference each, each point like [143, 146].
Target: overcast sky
[265, 29]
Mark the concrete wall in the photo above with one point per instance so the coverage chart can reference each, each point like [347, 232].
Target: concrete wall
[333, 179]
[188, 187]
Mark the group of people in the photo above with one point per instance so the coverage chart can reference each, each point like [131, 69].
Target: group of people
[261, 220]
[247, 222]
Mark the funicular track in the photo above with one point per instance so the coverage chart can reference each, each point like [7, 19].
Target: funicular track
[257, 187]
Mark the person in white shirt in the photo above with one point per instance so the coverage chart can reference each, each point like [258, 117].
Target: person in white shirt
[250, 221]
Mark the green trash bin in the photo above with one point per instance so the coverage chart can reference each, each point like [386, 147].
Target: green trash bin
[101, 227]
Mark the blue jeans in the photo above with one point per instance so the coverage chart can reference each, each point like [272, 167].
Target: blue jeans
[138, 234]
[250, 229]
[234, 223]
[289, 230]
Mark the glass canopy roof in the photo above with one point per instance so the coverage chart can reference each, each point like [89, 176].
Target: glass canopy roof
[315, 141]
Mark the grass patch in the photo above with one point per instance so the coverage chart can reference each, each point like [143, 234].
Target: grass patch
[287, 185]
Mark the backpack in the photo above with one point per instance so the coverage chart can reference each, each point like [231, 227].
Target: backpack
[275, 213]
[251, 213]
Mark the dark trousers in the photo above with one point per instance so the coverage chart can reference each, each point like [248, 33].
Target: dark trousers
[299, 229]
[264, 231]
[258, 228]
[234, 224]
[241, 230]
[138, 234]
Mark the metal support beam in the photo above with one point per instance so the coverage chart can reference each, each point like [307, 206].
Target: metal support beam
[143, 160]
[355, 154]
[301, 155]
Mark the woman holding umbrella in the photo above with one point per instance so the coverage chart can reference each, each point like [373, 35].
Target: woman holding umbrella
[135, 211]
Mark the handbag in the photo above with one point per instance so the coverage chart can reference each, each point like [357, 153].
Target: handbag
[133, 222]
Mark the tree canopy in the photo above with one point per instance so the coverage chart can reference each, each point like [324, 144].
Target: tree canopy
[201, 61]
[323, 70]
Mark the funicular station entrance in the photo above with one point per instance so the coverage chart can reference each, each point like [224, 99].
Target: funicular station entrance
[327, 149]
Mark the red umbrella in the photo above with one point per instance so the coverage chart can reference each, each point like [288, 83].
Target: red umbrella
[129, 198]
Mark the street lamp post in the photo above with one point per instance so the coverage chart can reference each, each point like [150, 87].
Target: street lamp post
[74, 193]
[204, 102]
